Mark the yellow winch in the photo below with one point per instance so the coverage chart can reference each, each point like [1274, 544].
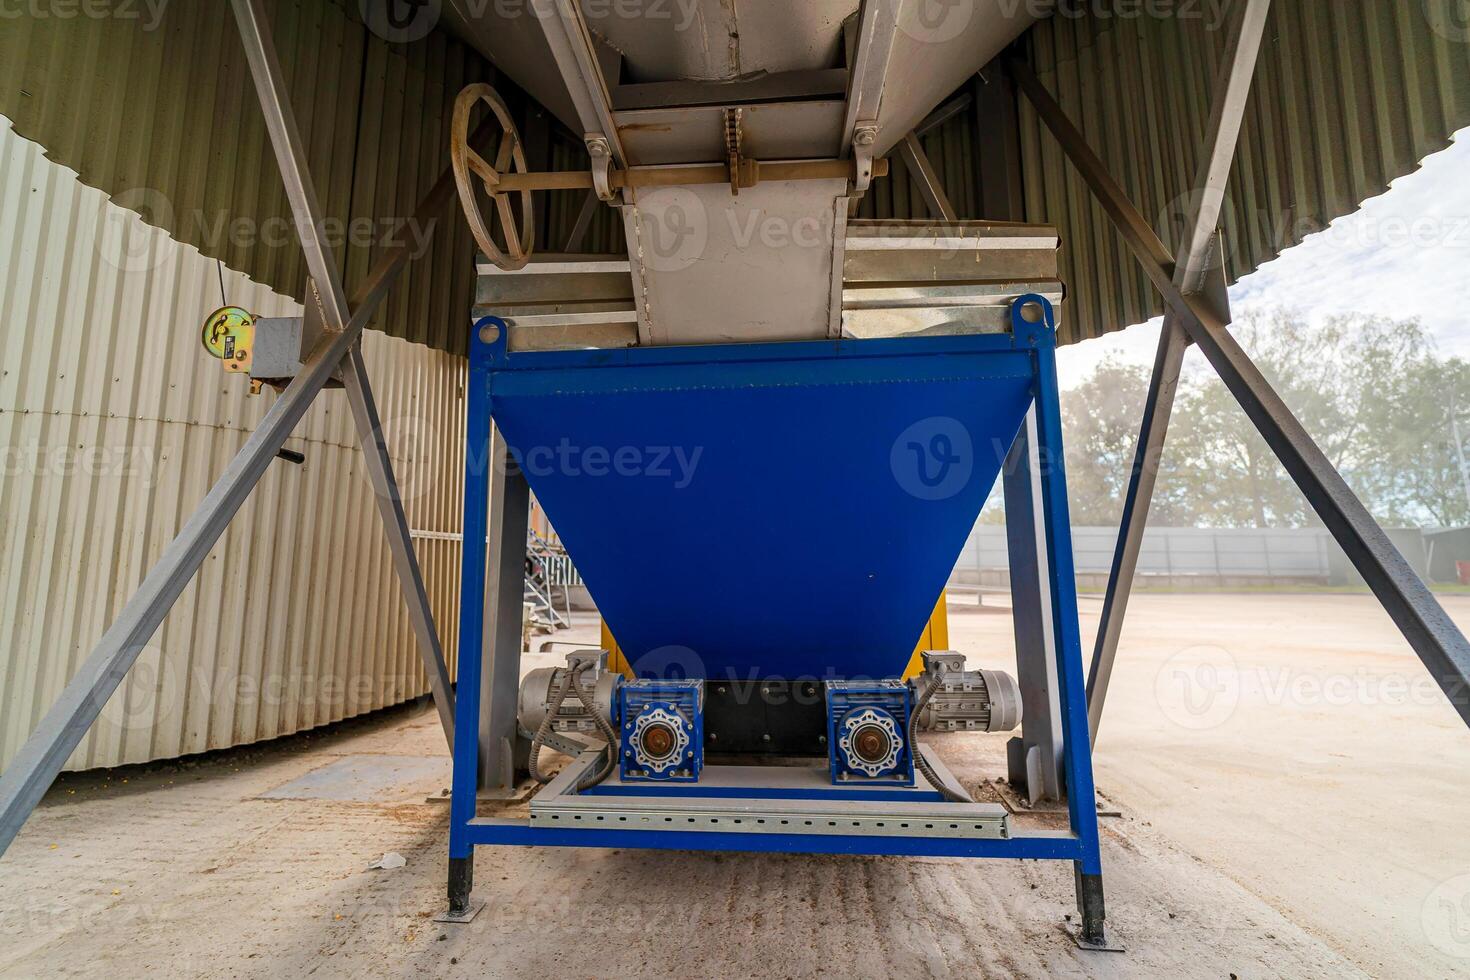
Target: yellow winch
[229, 334]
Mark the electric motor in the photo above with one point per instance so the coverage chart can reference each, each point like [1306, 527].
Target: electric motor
[968, 700]
[539, 687]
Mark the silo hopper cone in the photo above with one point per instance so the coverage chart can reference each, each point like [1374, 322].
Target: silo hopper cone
[788, 518]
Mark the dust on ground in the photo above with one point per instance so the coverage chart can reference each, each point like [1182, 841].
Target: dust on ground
[1289, 783]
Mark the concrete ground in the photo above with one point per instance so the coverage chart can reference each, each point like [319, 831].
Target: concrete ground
[1290, 786]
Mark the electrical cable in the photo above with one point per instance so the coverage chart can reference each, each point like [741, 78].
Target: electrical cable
[542, 730]
[608, 732]
[913, 726]
[565, 678]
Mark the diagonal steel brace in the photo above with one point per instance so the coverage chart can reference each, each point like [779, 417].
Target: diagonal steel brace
[39, 760]
[280, 121]
[1419, 616]
[1199, 270]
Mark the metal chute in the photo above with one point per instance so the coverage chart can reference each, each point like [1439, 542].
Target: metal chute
[686, 59]
[739, 85]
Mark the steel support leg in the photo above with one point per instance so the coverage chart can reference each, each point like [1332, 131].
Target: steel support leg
[505, 591]
[462, 802]
[1061, 579]
[1034, 757]
[328, 300]
[461, 886]
[1158, 406]
[1091, 908]
[1413, 608]
[34, 768]
[280, 122]
[46, 751]
[400, 543]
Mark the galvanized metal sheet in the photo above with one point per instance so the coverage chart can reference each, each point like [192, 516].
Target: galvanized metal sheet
[936, 49]
[937, 309]
[115, 423]
[708, 268]
[768, 131]
[930, 251]
[765, 800]
[899, 278]
[719, 40]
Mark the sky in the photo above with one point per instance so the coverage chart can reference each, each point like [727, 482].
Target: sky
[1405, 254]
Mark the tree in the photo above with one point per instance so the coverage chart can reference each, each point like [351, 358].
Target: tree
[1232, 477]
[1100, 418]
[1409, 430]
[1100, 426]
[1370, 391]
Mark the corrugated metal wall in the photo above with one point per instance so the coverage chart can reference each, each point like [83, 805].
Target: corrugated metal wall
[163, 117]
[1348, 96]
[114, 423]
[953, 151]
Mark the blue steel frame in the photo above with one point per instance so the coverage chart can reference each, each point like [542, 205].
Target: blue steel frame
[1032, 344]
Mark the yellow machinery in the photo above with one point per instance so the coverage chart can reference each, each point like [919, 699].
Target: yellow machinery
[934, 637]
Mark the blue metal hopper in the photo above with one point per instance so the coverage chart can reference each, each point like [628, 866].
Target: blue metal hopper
[775, 510]
[820, 497]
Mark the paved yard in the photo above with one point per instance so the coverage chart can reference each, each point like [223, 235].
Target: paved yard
[1292, 789]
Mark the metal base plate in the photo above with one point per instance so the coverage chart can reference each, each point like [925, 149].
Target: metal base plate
[518, 793]
[465, 916]
[1107, 946]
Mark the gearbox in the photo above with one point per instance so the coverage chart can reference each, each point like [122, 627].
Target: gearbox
[662, 735]
[867, 731]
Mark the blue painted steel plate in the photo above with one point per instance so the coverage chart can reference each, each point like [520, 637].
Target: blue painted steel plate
[769, 518]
